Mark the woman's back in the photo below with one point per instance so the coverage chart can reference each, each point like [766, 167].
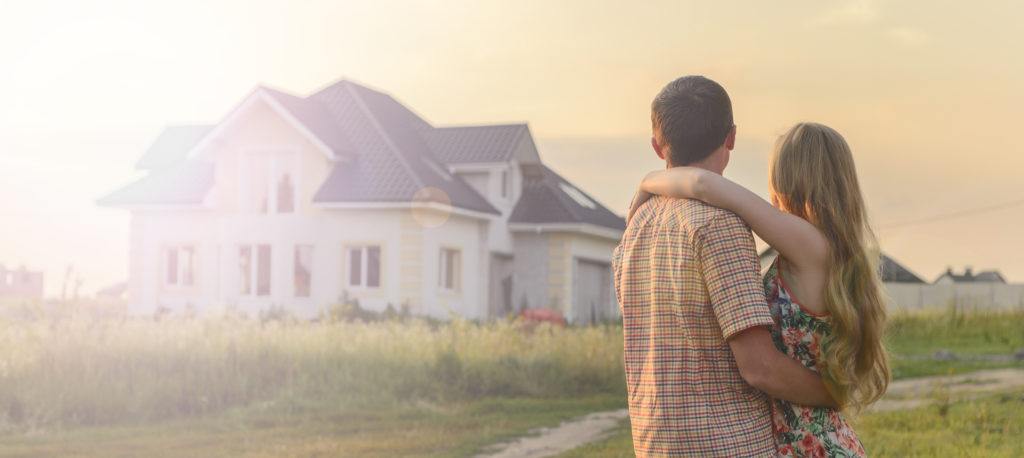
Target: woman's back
[803, 430]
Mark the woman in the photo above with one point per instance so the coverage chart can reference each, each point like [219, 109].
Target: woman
[823, 289]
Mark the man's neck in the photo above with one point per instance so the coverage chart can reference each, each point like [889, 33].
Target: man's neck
[705, 164]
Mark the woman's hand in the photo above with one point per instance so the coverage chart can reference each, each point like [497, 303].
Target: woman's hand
[640, 197]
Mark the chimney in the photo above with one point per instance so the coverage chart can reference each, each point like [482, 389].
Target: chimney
[967, 272]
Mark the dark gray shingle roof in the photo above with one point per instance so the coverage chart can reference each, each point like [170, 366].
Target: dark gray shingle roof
[475, 144]
[393, 162]
[968, 276]
[892, 271]
[547, 198]
[316, 118]
[171, 146]
[179, 184]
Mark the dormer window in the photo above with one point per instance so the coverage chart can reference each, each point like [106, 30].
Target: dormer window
[577, 196]
[271, 182]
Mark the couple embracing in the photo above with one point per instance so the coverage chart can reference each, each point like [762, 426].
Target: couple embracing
[719, 360]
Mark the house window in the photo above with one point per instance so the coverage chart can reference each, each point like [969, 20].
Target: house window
[363, 266]
[179, 266]
[303, 266]
[449, 270]
[254, 270]
[272, 182]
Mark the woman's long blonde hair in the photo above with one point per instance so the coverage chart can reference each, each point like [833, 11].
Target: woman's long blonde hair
[813, 177]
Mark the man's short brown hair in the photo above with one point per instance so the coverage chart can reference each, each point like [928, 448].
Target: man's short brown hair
[694, 115]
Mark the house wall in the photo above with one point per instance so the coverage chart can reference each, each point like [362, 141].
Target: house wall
[469, 235]
[530, 271]
[261, 128]
[409, 251]
[599, 250]
[409, 261]
[151, 233]
[546, 266]
[916, 296]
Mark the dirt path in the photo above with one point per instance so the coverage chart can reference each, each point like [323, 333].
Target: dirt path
[915, 392]
[562, 438]
[902, 394]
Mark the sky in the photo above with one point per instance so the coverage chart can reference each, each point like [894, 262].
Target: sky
[929, 94]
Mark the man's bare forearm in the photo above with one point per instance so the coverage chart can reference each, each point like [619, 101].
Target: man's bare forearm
[788, 379]
[766, 368]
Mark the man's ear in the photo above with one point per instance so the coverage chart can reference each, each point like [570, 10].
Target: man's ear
[657, 148]
[730, 139]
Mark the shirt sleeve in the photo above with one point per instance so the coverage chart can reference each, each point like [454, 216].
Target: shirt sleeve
[731, 271]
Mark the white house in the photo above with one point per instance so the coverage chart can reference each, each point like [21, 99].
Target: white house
[293, 202]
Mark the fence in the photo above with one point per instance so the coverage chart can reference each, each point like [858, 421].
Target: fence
[986, 296]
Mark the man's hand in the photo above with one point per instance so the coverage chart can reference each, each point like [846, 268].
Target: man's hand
[769, 370]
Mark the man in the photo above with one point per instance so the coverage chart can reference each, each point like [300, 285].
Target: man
[696, 325]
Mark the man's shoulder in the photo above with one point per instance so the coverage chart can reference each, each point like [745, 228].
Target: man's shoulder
[700, 216]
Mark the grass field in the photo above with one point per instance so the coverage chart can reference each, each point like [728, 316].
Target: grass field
[988, 427]
[229, 385]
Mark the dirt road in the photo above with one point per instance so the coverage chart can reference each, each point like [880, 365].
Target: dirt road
[902, 394]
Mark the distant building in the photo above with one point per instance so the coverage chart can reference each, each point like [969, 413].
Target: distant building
[294, 201]
[20, 283]
[988, 276]
[891, 271]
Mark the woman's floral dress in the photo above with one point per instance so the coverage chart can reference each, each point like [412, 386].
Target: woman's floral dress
[802, 430]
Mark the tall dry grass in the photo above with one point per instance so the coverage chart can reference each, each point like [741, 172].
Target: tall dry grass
[81, 371]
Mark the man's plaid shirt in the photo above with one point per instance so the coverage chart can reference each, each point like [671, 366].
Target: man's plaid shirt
[687, 278]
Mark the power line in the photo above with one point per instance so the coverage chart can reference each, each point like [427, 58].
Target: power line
[962, 213]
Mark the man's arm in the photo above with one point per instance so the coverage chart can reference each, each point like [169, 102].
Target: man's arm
[732, 275]
[766, 368]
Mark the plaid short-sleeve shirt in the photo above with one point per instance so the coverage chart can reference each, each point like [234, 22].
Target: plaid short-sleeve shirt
[687, 279]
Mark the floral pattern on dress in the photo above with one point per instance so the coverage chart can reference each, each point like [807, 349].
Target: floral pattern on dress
[804, 431]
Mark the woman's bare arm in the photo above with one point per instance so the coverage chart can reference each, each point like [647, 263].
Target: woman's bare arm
[802, 244]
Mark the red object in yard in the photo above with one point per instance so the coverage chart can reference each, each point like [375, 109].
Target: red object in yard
[539, 315]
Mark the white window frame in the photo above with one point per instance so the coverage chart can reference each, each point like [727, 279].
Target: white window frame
[363, 266]
[246, 198]
[442, 270]
[181, 267]
[295, 253]
[254, 272]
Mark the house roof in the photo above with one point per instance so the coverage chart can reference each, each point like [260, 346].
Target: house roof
[990, 276]
[892, 271]
[171, 146]
[185, 183]
[475, 144]
[315, 117]
[968, 276]
[388, 154]
[393, 162]
[549, 198]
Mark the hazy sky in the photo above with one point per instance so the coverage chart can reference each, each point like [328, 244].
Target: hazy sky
[930, 95]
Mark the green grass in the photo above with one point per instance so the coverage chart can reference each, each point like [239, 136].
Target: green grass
[976, 332]
[912, 338]
[227, 385]
[454, 429]
[991, 427]
[902, 367]
[987, 427]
